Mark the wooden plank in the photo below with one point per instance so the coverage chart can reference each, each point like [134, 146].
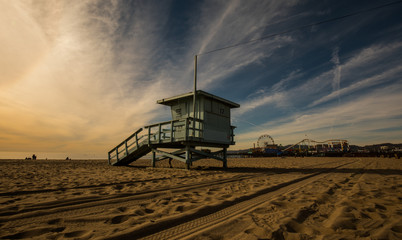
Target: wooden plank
[169, 155]
[210, 155]
[176, 153]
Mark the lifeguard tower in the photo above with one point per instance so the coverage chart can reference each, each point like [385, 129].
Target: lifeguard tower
[203, 124]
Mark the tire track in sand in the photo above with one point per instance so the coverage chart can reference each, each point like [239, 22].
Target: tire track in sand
[76, 205]
[79, 206]
[318, 208]
[26, 192]
[210, 217]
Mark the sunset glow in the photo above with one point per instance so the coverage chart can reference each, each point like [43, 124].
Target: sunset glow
[77, 77]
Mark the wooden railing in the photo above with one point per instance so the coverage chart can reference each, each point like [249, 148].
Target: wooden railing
[175, 130]
[122, 150]
[232, 134]
[163, 132]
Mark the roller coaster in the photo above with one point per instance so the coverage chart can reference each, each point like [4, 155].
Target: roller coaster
[331, 145]
[266, 147]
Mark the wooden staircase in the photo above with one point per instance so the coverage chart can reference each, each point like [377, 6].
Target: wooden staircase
[165, 134]
[178, 134]
[129, 150]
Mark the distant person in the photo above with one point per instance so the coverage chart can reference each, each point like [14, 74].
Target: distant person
[34, 157]
[67, 158]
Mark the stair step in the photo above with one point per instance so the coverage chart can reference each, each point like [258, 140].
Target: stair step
[134, 155]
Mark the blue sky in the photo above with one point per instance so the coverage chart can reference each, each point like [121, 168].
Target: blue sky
[77, 77]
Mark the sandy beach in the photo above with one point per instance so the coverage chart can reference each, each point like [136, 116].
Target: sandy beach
[256, 198]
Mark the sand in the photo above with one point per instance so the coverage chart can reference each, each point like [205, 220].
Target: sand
[260, 198]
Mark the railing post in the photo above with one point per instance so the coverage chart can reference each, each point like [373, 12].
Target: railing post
[149, 136]
[136, 139]
[232, 134]
[108, 156]
[199, 128]
[125, 143]
[117, 154]
[159, 133]
[171, 131]
[186, 131]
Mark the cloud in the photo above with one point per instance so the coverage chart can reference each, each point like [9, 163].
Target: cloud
[368, 59]
[19, 56]
[84, 84]
[82, 76]
[230, 23]
[355, 120]
[336, 83]
[365, 83]
[91, 71]
[274, 98]
[284, 83]
[365, 69]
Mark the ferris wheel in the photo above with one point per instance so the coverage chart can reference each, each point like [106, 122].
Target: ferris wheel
[265, 141]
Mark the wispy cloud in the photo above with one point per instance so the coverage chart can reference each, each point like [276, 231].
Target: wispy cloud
[360, 66]
[256, 102]
[367, 68]
[286, 82]
[336, 83]
[94, 70]
[81, 76]
[352, 118]
[355, 120]
[84, 81]
[230, 24]
[365, 83]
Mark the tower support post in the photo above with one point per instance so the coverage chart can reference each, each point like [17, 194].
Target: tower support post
[153, 159]
[225, 161]
[188, 157]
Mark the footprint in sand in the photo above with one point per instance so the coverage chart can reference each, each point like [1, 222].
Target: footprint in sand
[184, 208]
[55, 221]
[397, 228]
[139, 212]
[379, 206]
[295, 227]
[179, 208]
[122, 209]
[76, 234]
[118, 187]
[118, 219]
[148, 210]
[341, 218]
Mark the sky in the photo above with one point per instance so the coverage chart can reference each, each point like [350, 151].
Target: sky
[78, 77]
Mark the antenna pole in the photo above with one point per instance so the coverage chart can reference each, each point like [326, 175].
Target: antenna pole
[195, 92]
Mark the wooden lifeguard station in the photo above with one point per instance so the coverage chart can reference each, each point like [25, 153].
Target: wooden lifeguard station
[203, 124]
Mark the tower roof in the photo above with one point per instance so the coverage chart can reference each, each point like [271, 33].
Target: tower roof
[170, 101]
